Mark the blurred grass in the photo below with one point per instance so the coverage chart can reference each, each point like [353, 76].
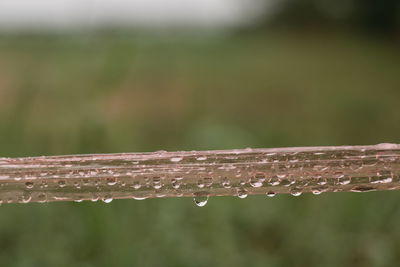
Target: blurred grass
[125, 93]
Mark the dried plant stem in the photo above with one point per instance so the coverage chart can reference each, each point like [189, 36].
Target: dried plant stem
[236, 172]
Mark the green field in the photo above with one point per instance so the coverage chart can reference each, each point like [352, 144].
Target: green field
[100, 93]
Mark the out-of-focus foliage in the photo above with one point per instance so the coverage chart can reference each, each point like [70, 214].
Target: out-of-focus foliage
[375, 16]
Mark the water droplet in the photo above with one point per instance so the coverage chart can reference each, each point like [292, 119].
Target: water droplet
[26, 197]
[29, 185]
[200, 183]
[107, 199]
[316, 192]
[139, 197]
[200, 198]
[383, 177]
[295, 192]
[286, 182]
[344, 180]
[274, 181]
[386, 180]
[271, 194]
[159, 193]
[322, 181]
[356, 165]
[43, 184]
[200, 201]
[208, 181]
[136, 185]
[42, 198]
[61, 183]
[257, 181]
[157, 183]
[226, 183]
[362, 189]
[176, 159]
[77, 185]
[175, 183]
[111, 181]
[178, 193]
[242, 193]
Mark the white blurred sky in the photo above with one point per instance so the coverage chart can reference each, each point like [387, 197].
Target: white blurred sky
[28, 14]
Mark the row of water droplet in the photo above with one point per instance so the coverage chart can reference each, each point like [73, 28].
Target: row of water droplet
[200, 190]
[161, 174]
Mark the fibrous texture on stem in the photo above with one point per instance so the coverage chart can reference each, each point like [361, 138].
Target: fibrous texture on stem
[199, 174]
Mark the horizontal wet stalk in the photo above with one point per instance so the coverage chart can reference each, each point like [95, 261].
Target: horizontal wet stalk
[199, 174]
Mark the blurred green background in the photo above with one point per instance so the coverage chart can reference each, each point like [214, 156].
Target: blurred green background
[124, 91]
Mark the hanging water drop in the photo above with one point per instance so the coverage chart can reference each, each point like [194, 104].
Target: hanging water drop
[159, 193]
[242, 193]
[316, 192]
[362, 188]
[26, 197]
[41, 198]
[271, 194]
[200, 198]
[139, 197]
[295, 192]
[200, 201]
[107, 199]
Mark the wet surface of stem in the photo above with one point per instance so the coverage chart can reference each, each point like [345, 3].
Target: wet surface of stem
[200, 174]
